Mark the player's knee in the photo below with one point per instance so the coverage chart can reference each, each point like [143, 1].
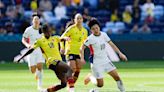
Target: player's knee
[39, 68]
[117, 78]
[63, 85]
[33, 71]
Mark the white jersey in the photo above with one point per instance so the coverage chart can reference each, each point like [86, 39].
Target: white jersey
[31, 34]
[36, 56]
[98, 44]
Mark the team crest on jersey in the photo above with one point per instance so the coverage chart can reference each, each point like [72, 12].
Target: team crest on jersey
[71, 57]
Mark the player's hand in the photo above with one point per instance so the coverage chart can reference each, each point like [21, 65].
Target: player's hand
[62, 51]
[83, 61]
[29, 46]
[123, 57]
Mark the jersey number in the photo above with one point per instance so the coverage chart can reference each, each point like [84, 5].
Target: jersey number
[102, 46]
[51, 45]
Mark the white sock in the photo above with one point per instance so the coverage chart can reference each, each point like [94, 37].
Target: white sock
[93, 79]
[39, 75]
[120, 86]
[72, 89]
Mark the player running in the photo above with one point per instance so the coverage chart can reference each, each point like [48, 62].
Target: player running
[100, 62]
[77, 34]
[35, 59]
[50, 49]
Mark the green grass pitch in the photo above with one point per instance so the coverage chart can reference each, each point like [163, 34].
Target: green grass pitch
[141, 76]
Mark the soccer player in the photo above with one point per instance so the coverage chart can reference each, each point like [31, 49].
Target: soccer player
[77, 34]
[50, 49]
[35, 59]
[100, 62]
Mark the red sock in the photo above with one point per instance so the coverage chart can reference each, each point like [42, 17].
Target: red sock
[70, 82]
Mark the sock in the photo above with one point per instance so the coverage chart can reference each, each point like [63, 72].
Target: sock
[120, 86]
[57, 87]
[93, 79]
[39, 76]
[70, 82]
[72, 89]
[76, 75]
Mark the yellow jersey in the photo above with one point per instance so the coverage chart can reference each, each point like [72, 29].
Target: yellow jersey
[50, 49]
[77, 38]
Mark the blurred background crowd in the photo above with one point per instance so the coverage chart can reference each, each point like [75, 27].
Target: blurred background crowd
[116, 16]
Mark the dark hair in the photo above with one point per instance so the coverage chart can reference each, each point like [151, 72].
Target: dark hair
[44, 28]
[35, 14]
[92, 22]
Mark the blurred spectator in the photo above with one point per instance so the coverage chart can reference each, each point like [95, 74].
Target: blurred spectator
[20, 10]
[148, 8]
[136, 11]
[18, 2]
[114, 16]
[34, 5]
[145, 29]
[86, 16]
[135, 29]
[77, 3]
[102, 4]
[45, 5]
[1, 4]
[24, 25]
[11, 12]
[113, 5]
[2, 31]
[66, 2]
[92, 3]
[60, 11]
[127, 18]
[10, 28]
[53, 29]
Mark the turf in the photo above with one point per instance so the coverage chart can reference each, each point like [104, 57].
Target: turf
[138, 76]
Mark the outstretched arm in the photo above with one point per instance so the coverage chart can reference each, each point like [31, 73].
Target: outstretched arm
[116, 49]
[28, 52]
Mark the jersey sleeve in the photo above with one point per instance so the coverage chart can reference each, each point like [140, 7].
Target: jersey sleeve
[26, 33]
[87, 42]
[106, 37]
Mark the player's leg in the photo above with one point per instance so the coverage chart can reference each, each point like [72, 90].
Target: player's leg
[78, 68]
[64, 73]
[116, 77]
[31, 63]
[72, 64]
[39, 74]
[96, 77]
[68, 74]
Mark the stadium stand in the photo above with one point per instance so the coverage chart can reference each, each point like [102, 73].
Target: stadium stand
[23, 12]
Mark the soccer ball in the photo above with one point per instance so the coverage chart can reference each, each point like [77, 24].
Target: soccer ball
[93, 90]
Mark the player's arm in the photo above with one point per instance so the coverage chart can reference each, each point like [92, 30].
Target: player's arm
[82, 48]
[25, 38]
[27, 53]
[25, 42]
[116, 49]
